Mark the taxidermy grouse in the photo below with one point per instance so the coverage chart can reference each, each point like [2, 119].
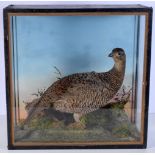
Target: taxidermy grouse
[82, 93]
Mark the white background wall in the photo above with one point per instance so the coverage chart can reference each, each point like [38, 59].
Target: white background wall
[2, 68]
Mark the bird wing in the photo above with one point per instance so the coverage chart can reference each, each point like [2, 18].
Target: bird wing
[83, 98]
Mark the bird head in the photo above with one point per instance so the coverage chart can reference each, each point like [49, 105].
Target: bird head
[118, 54]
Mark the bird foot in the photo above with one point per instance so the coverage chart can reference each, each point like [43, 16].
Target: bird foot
[76, 125]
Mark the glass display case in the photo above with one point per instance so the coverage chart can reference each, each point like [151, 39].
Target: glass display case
[77, 76]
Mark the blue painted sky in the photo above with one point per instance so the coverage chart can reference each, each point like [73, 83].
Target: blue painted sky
[72, 43]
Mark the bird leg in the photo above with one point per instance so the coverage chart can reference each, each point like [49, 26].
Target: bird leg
[77, 124]
[77, 117]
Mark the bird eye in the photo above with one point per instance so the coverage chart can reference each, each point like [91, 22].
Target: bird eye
[120, 53]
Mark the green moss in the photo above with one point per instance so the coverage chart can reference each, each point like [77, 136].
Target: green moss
[119, 105]
[122, 131]
[83, 120]
[39, 123]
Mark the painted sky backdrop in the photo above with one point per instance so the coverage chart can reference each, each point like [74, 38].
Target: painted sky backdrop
[72, 44]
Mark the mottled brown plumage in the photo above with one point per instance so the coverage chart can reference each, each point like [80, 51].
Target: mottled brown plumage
[82, 93]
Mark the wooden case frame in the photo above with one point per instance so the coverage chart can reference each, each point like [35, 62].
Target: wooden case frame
[78, 10]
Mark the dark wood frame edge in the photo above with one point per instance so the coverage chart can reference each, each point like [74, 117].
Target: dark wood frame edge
[7, 10]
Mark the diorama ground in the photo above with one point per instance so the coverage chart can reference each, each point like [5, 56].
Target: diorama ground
[106, 125]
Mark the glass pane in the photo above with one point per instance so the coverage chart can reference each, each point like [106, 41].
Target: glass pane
[67, 88]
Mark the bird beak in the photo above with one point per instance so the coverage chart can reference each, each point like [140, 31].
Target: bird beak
[110, 55]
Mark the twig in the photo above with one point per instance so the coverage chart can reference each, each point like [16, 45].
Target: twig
[58, 72]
